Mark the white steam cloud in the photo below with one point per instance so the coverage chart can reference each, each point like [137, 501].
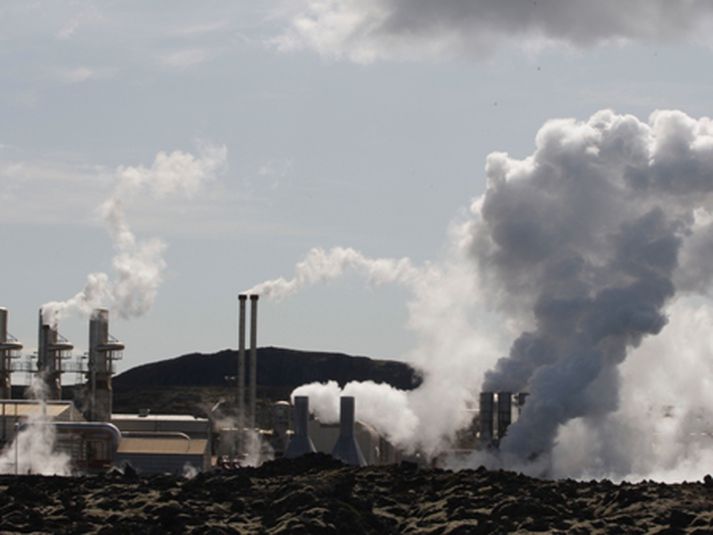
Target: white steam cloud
[139, 265]
[576, 257]
[367, 30]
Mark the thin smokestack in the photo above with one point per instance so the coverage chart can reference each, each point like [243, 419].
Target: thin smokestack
[241, 360]
[300, 444]
[346, 449]
[253, 359]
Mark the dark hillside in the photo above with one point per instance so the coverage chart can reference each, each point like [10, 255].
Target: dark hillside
[279, 371]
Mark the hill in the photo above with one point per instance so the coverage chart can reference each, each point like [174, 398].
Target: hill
[279, 371]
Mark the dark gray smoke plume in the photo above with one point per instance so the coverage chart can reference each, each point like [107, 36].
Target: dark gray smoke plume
[368, 30]
[587, 239]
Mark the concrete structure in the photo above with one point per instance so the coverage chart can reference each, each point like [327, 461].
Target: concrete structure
[168, 454]
[241, 360]
[347, 448]
[487, 417]
[504, 413]
[52, 349]
[300, 443]
[375, 448]
[521, 400]
[103, 350]
[253, 360]
[9, 350]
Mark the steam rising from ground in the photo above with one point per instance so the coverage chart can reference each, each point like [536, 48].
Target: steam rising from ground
[575, 257]
[33, 450]
[138, 264]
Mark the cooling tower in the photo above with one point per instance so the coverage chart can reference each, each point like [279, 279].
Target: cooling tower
[103, 349]
[346, 449]
[52, 348]
[300, 444]
[504, 413]
[8, 348]
[487, 416]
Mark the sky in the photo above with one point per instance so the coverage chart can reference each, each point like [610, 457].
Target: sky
[361, 124]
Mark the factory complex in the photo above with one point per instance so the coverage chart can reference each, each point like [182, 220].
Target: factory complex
[95, 439]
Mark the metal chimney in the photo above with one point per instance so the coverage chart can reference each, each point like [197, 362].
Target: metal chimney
[8, 348]
[52, 348]
[521, 399]
[346, 449]
[253, 359]
[504, 413]
[300, 444]
[487, 416]
[103, 350]
[241, 360]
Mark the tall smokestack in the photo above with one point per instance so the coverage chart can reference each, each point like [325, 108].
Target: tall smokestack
[504, 413]
[346, 449]
[521, 399]
[487, 417]
[241, 360]
[253, 359]
[8, 346]
[102, 349]
[51, 348]
[300, 444]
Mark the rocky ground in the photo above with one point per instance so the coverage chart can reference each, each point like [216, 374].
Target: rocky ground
[316, 494]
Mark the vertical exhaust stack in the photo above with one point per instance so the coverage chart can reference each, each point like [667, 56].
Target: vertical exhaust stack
[52, 348]
[253, 360]
[241, 360]
[504, 413]
[103, 350]
[346, 449]
[487, 417]
[521, 400]
[300, 444]
[9, 347]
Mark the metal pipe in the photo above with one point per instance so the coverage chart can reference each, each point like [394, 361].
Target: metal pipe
[102, 427]
[241, 361]
[253, 359]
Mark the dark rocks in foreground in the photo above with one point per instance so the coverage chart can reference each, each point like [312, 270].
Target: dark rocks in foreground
[316, 494]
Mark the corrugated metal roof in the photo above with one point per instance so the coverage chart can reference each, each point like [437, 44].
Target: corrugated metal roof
[53, 410]
[163, 446]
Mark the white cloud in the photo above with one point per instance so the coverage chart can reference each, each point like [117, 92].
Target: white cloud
[182, 59]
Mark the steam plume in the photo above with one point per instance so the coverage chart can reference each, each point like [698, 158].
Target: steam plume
[586, 234]
[138, 265]
[321, 266]
[578, 254]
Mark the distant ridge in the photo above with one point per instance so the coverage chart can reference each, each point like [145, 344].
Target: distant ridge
[278, 369]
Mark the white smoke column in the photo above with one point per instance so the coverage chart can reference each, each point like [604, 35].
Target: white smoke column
[34, 446]
[257, 450]
[139, 265]
[377, 405]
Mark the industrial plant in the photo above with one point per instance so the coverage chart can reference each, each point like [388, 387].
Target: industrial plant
[95, 438]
